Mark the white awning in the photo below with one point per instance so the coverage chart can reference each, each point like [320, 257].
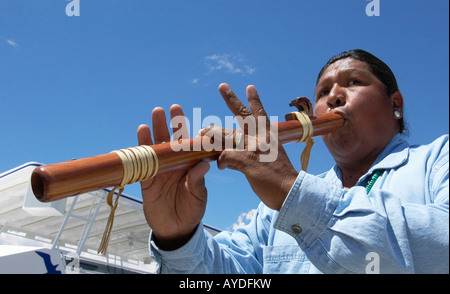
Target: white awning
[75, 224]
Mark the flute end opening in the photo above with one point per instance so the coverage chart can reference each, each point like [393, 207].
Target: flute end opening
[37, 184]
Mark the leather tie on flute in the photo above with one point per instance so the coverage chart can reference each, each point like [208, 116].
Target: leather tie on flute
[60, 180]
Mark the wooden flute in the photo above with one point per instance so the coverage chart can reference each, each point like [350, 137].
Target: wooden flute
[60, 180]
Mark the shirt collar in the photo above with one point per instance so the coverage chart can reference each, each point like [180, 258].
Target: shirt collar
[393, 155]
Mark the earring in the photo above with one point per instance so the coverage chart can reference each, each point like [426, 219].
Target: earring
[397, 114]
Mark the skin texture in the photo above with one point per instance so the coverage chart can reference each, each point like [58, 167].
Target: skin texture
[348, 87]
[272, 181]
[174, 203]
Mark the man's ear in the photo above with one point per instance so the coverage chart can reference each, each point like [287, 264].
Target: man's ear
[397, 101]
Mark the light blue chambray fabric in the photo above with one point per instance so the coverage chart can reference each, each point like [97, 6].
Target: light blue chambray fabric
[403, 222]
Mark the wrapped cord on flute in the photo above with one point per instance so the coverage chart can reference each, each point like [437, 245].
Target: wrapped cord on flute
[139, 164]
[308, 131]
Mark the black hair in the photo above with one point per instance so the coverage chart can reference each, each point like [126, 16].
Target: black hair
[380, 69]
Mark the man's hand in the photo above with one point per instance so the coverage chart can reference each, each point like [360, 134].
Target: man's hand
[174, 203]
[271, 181]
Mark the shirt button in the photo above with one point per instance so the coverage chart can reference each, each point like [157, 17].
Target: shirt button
[296, 229]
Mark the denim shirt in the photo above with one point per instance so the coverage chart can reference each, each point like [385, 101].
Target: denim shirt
[401, 226]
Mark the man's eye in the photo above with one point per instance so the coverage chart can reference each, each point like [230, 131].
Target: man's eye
[323, 93]
[354, 82]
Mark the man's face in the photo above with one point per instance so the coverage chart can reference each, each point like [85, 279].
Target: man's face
[349, 88]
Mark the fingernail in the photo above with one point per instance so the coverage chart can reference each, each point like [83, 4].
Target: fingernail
[225, 87]
[252, 88]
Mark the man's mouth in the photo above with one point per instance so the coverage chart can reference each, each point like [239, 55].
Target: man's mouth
[341, 113]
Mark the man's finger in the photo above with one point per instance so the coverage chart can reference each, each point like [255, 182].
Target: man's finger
[234, 104]
[196, 180]
[160, 129]
[144, 135]
[178, 122]
[255, 103]
[223, 138]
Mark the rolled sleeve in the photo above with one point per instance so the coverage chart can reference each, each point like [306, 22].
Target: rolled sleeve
[306, 212]
[182, 260]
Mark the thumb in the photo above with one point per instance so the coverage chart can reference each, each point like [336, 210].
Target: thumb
[195, 179]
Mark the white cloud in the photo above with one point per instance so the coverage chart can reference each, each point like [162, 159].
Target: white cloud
[233, 64]
[195, 80]
[10, 42]
[243, 219]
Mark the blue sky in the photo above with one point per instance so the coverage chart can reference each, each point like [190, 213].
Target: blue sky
[73, 87]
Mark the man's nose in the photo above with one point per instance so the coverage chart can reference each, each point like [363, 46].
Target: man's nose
[336, 97]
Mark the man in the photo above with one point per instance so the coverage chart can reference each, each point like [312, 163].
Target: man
[384, 201]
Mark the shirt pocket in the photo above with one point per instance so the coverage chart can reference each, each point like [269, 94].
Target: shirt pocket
[285, 259]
